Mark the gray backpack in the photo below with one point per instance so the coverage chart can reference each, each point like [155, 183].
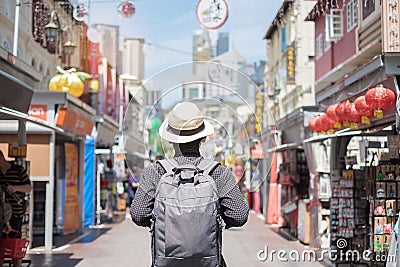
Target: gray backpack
[187, 227]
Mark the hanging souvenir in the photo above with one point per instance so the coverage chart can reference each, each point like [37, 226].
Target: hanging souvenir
[80, 12]
[126, 9]
[212, 14]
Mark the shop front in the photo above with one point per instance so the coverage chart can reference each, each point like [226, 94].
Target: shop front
[59, 194]
[292, 173]
[361, 181]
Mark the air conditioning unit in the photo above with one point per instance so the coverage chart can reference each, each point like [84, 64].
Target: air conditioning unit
[334, 25]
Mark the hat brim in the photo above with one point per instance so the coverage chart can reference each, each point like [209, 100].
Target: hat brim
[179, 139]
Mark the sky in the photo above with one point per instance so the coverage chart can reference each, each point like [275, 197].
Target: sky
[171, 24]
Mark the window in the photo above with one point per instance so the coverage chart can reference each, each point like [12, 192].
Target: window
[351, 14]
[6, 45]
[327, 42]
[283, 40]
[193, 93]
[368, 8]
[318, 46]
[334, 25]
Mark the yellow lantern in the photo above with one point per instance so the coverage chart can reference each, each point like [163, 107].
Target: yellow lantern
[54, 84]
[75, 85]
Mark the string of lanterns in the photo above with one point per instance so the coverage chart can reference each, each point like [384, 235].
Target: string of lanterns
[352, 114]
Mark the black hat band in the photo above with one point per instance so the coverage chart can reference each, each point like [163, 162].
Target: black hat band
[186, 132]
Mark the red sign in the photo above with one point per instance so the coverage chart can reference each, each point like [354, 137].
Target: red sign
[17, 150]
[38, 111]
[94, 58]
[74, 122]
[11, 58]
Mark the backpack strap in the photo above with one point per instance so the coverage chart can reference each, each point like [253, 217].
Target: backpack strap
[168, 165]
[207, 166]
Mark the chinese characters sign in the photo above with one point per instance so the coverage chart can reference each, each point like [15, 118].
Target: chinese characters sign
[291, 61]
[390, 26]
[259, 111]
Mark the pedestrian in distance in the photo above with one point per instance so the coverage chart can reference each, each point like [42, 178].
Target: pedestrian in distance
[187, 200]
[16, 183]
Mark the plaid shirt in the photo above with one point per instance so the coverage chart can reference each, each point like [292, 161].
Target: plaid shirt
[233, 208]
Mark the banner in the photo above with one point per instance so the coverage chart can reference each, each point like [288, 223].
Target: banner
[259, 111]
[390, 26]
[291, 63]
[94, 58]
[71, 210]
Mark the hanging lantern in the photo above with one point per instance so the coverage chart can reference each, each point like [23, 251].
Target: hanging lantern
[354, 117]
[380, 98]
[311, 124]
[126, 9]
[343, 110]
[54, 84]
[331, 113]
[318, 124]
[364, 110]
[328, 125]
[69, 81]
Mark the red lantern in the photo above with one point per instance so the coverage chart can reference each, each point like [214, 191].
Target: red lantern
[311, 124]
[354, 117]
[318, 124]
[331, 114]
[364, 110]
[327, 125]
[343, 110]
[380, 98]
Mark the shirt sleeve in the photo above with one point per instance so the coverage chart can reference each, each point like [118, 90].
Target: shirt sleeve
[233, 208]
[142, 205]
[24, 177]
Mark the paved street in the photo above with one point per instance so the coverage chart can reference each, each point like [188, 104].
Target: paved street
[125, 244]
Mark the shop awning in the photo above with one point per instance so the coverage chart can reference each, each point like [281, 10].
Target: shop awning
[8, 113]
[284, 147]
[15, 94]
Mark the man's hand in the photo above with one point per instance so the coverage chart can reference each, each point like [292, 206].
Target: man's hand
[11, 189]
[7, 228]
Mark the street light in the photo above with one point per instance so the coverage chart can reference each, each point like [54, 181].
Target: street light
[53, 29]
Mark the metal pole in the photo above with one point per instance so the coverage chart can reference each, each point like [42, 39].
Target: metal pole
[48, 238]
[98, 206]
[16, 27]
[21, 135]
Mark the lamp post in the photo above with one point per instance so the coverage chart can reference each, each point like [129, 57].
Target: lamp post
[53, 31]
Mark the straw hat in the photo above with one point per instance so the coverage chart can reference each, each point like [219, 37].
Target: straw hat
[185, 124]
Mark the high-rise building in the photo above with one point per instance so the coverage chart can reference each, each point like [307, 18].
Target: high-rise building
[133, 58]
[109, 43]
[201, 45]
[222, 43]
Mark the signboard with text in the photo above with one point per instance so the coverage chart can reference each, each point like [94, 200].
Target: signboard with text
[291, 62]
[390, 26]
[259, 111]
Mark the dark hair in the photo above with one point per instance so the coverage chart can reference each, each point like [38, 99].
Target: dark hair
[1, 154]
[181, 147]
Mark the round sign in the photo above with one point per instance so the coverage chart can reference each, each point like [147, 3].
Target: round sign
[212, 14]
[215, 72]
[80, 12]
[126, 9]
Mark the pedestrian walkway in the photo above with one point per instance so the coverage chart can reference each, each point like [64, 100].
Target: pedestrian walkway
[125, 244]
